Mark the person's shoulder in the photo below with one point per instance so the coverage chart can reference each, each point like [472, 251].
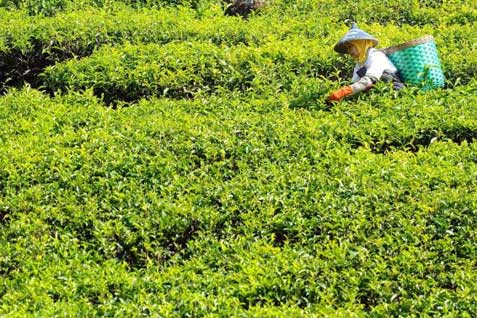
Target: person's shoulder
[376, 52]
[376, 55]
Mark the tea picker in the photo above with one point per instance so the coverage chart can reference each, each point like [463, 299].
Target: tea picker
[371, 66]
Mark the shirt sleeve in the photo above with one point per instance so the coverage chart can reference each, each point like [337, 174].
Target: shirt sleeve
[355, 77]
[363, 84]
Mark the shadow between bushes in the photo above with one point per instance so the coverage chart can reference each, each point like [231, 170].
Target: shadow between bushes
[413, 144]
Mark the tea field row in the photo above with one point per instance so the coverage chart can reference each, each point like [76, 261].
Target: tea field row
[235, 207]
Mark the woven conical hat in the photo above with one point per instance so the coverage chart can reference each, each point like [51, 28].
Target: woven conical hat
[353, 34]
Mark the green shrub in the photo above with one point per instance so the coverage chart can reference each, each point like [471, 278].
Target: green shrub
[254, 198]
[52, 7]
[187, 69]
[234, 207]
[29, 44]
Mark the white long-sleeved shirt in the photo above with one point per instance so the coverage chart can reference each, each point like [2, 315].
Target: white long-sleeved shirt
[371, 71]
[376, 64]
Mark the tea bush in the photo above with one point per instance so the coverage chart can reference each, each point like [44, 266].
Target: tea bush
[221, 184]
[186, 69]
[29, 44]
[53, 7]
[259, 206]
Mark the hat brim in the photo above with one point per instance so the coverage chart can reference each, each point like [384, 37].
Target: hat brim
[342, 46]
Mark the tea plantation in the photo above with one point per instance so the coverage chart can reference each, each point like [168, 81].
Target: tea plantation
[161, 159]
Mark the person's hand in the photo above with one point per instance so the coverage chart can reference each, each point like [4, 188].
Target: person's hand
[338, 95]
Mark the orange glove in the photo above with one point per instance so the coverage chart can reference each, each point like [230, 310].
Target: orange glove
[340, 94]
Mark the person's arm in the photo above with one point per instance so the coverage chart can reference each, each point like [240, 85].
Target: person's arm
[365, 83]
[375, 68]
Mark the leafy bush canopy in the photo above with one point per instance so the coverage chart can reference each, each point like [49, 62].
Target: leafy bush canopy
[161, 159]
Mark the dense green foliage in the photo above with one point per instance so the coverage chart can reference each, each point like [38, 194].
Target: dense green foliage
[29, 44]
[188, 68]
[173, 162]
[53, 7]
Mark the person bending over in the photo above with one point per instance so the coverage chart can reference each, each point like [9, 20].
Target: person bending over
[371, 66]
